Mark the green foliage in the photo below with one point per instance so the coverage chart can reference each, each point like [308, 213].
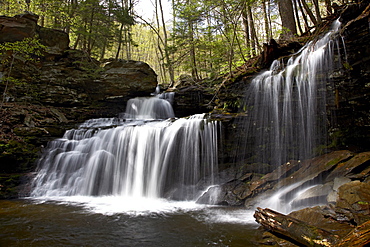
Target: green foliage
[363, 203]
[8, 184]
[24, 50]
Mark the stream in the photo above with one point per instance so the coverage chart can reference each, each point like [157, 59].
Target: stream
[83, 221]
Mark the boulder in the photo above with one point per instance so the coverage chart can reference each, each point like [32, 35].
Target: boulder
[23, 26]
[122, 77]
[312, 196]
[299, 183]
[353, 202]
[18, 27]
[56, 41]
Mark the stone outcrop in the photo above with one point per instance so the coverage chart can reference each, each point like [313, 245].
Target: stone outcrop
[319, 179]
[351, 124]
[18, 27]
[23, 26]
[52, 93]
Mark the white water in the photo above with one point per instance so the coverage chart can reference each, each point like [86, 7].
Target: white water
[148, 108]
[286, 105]
[287, 109]
[138, 165]
[117, 165]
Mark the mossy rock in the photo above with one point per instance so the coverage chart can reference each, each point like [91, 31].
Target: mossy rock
[9, 185]
[17, 157]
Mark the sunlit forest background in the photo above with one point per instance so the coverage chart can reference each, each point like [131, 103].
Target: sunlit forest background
[201, 39]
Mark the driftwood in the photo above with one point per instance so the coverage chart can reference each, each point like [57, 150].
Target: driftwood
[294, 229]
[308, 235]
[360, 236]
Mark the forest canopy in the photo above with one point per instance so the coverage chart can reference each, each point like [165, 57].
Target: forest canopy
[203, 38]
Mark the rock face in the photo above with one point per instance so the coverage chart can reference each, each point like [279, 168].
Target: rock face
[55, 92]
[18, 27]
[318, 179]
[122, 77]
[23, 26]
[56, 41]
[351, 124]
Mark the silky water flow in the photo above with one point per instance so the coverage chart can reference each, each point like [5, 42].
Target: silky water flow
[286, 110]
[134, 180]
[140, 156]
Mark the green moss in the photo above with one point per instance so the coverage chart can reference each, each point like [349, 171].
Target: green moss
[17, 157]
[363, 203]
[9, 185]
[347, 66]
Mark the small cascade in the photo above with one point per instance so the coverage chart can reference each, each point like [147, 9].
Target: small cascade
[286, 105]
[148, 108]
[132, 157]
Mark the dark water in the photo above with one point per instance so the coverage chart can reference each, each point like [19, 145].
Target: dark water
[37, 223]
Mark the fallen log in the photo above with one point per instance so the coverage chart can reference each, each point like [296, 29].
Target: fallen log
[294, 229]
[358, 237]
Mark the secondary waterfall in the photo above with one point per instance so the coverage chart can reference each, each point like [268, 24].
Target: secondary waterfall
[286, 105]
[134, 156]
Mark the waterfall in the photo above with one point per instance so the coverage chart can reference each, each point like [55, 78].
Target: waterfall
[286, 106]
[139, 156]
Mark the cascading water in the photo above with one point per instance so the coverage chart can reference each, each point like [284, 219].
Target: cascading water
[286, 115]
[133, 157]
[286, 105]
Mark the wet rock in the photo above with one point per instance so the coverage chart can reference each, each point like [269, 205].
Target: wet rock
[312, 170]
[356, 167]
[323, 176]
[210, 197]
[333, 195]
[354, 202]
[313, 196]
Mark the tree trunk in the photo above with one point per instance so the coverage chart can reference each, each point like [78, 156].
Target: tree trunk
[308, 235]
[193, 61]
[252, 29]
[246, 28]
[317, 10]
[168, 60]
[307, 27]
[295, 229]
[119, 42]
[287, 18]
[309, 12]
[296, 14]
[266, 20]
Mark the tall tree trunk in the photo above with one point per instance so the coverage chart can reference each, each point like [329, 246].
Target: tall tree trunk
[309, 12]
[307, 27]
[287, 18]
[127, 32]
[119, 42]
[266, 20]
[329, 9]
[193, 61]
[246, 28]
[296, 14]
[102, 53]
[160, 41]
[317, 10]
[254, 39]
[168, 60]
[89, 40]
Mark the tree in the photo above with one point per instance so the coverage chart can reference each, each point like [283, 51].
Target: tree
[287, 18]
[206, 36]
[25, 50]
